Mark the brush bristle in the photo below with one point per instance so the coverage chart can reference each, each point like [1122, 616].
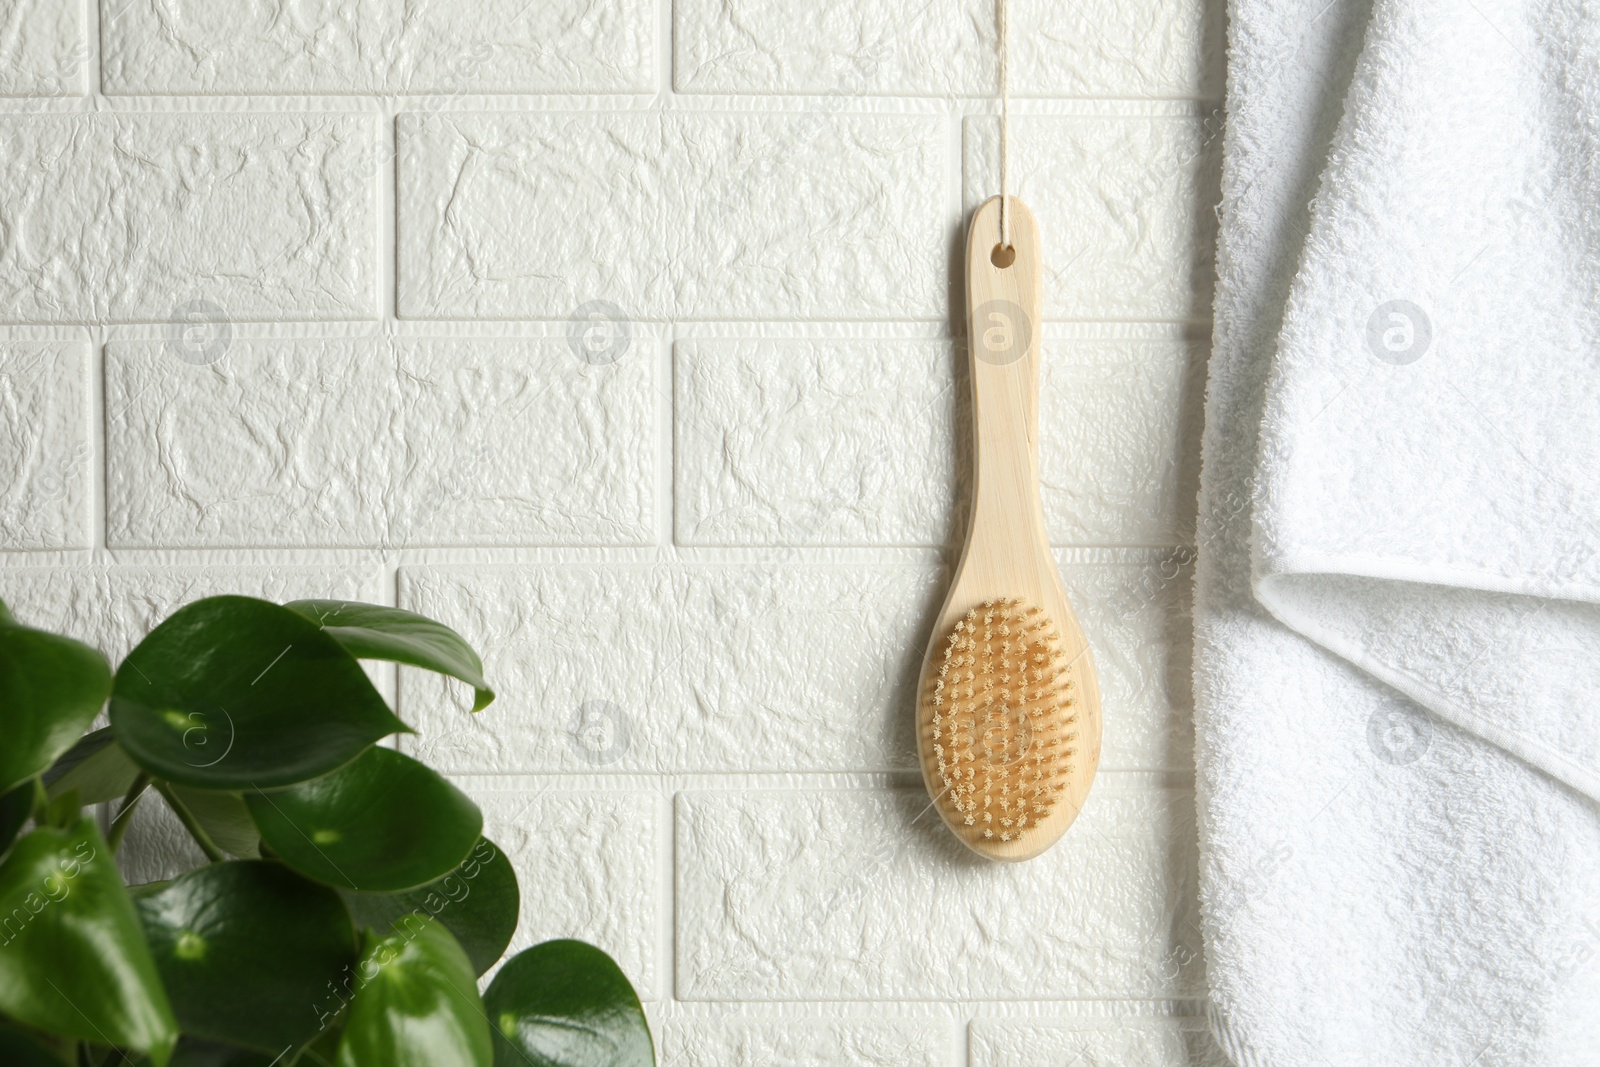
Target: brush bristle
[1000, 712]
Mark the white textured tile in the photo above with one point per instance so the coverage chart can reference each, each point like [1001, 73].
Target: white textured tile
[368, 441]
[522, 442]
[1130, 48]
[112, 608]
[1125, 209]
[675, 667]
[671, 214]
[130, 217]
[378, 46]
[1168, 1042]
[864, 442]
[1136, 613]
[816, 442]
[1119, 446]
[277, 442]
[806, 1042]
[45, 456]
[155, 847]
[863, 895]
[42, 48]
[586, 865]
[759, 667]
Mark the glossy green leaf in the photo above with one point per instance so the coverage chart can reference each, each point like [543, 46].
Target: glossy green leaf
[225, 818]
[566, 1004]
[478, 901]
[248, 949]
[19, 1050]
[73, 959]
[372, 631]
[97, 767]
[379, 824]
[416, 1005]
[15, 807]
[233, 693]
[51, 688]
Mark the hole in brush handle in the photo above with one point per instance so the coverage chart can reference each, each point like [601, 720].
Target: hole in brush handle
[1003, 255]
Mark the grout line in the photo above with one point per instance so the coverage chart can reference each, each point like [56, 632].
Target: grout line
[626, 556]
[956, 304]
[92, 42]
[667, 921]
[99, 457]
[664, 57]
[957, 154]
[99, 410]
[666, 442]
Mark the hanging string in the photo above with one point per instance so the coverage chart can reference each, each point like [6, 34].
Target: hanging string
[1003, 25]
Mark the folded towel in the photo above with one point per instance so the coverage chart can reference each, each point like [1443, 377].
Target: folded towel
[1397, 633]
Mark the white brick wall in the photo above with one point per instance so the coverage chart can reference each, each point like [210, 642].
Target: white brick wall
[44, 444]
[670, 215]
[42, 48]
[127, 216]
[314, 301]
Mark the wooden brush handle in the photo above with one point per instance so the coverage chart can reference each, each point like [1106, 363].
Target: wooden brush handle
[1006, 584]
[1003, 323]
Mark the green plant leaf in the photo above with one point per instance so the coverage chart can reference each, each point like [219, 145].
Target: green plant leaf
[234, 693]
[248, 949]
[478, 901]
[372, 631]
[416, 1005]
[225, 818]
[379, 824]
[15, 807]
[73, 959]
[97, 767]
[51, 688]
[566, 1004]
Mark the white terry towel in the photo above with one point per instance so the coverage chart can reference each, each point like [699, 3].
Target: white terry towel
[1397, 633]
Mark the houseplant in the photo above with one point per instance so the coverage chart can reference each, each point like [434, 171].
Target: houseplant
[349, 903]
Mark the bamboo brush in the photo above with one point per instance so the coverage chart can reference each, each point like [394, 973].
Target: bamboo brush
[1008, 714]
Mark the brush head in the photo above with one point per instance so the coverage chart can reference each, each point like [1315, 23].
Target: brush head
[999, 721]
